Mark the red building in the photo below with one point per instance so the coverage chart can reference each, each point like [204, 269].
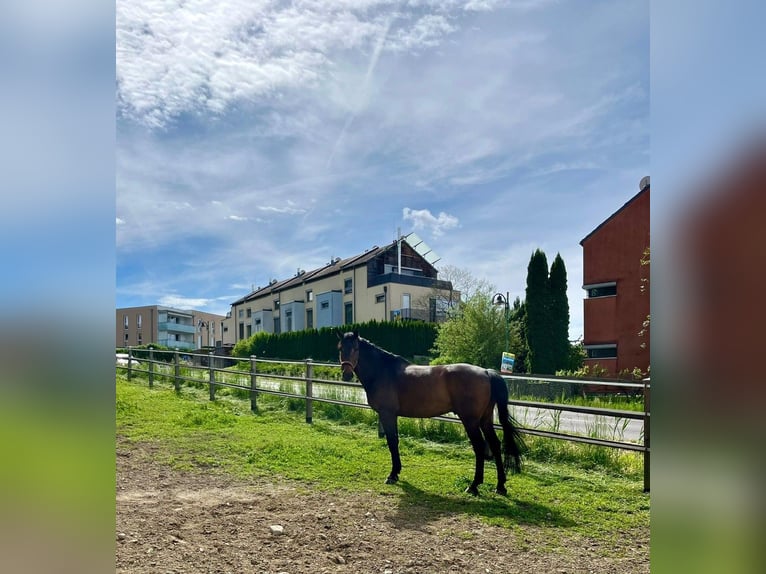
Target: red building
[616, 283]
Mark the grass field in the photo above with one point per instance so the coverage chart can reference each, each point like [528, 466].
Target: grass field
[224, 436]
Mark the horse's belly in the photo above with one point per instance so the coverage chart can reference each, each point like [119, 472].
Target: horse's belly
[423, 408]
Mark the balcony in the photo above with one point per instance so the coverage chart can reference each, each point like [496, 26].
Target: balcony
[418, 314]
[170, 327]
[416, 280]
[184, 345]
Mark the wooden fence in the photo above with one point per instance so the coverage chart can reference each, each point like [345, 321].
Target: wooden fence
[215, 371]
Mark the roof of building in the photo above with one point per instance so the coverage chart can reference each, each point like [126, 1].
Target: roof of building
[334, 266]
[608, 219]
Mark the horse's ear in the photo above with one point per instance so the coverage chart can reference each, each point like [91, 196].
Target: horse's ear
[340, 337]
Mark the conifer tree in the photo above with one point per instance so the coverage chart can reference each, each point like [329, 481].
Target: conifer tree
[559, 314]
[539, 331]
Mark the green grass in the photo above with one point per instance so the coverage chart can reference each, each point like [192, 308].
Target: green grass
[224, 436]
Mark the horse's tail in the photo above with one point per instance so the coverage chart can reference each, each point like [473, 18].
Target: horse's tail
[513, 444]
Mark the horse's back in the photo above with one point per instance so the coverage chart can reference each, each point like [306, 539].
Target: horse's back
[431, 391]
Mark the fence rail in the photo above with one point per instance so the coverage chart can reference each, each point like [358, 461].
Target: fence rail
[167, 364]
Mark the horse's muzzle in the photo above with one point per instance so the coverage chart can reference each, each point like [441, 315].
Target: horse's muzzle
[347, 375]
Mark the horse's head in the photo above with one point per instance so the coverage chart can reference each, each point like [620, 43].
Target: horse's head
[348, 345]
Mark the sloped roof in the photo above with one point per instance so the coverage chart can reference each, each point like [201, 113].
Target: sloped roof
[608, 219]
[330, 268]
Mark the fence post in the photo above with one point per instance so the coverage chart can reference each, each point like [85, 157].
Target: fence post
[212, 375]
[309, 381]
[647, 415]
[177, 379]
[130, 363]
[151, 367]
[253, 383]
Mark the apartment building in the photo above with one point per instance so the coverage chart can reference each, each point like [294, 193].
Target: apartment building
[397, 281]
[615, 282]
[181, 329]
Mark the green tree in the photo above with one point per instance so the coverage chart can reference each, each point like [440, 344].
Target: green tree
[475, 334]
[538, 326]
[559, 315]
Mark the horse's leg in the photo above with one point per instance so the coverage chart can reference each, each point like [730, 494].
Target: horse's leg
[494, 444]
[390, 427]
[477, 442]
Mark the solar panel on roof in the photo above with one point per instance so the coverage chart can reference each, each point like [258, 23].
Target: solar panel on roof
[422, 248]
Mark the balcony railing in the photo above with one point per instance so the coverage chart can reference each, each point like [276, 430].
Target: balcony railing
[409, 280]
[171, 327]
[177, 344]
[418, 314]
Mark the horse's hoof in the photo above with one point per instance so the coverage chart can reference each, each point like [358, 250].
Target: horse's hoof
[502, 491]
[391, 480]
[472, 490]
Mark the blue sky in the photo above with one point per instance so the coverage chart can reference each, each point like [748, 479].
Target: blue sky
[254, 138]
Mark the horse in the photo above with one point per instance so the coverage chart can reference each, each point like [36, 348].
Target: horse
[395, 388]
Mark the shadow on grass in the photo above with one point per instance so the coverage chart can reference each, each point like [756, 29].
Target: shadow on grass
[417, 508]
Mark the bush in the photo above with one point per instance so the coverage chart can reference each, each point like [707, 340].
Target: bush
[405, 338]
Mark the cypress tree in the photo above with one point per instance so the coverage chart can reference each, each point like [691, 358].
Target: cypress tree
[540, 356]
[559, 314]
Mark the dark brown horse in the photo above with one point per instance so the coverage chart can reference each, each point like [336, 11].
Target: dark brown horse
[397, 388]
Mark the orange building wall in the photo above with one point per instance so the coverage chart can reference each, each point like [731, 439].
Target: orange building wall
[613, 252]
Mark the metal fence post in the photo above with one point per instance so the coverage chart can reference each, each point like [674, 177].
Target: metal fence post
[253, 384]
[647, 415]
[151, 367]
[177, 379]
[130, 363]
[212, 375]
[309, 381]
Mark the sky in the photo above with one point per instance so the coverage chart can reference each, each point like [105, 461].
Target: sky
[255, 138]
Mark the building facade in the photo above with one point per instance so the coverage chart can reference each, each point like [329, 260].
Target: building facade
[395, 282]
[616, 284]
[176, 328]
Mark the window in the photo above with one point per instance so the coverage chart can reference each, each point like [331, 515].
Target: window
[380, 298]
[276, 325]
[140, 339]
[347, 284]
[601, 290]
[349, 313]
[125, 321]
[276, 305]
[309, 295]
[309, 318]
[257, 321]
[126, 339]
[241, 330]
[249, 313]
[241, 313]
[138, 321]
[601, 351]
[289, 320]
[324, 305]
[405, 300]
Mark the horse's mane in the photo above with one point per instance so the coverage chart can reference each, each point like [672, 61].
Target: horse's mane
[389, 358]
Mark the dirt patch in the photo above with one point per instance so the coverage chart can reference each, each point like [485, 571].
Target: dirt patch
[171, 521]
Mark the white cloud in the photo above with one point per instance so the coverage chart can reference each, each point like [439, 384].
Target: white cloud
[237, 218]
[120, 221]
[424, 219]
[180, 302]
[205, 55]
